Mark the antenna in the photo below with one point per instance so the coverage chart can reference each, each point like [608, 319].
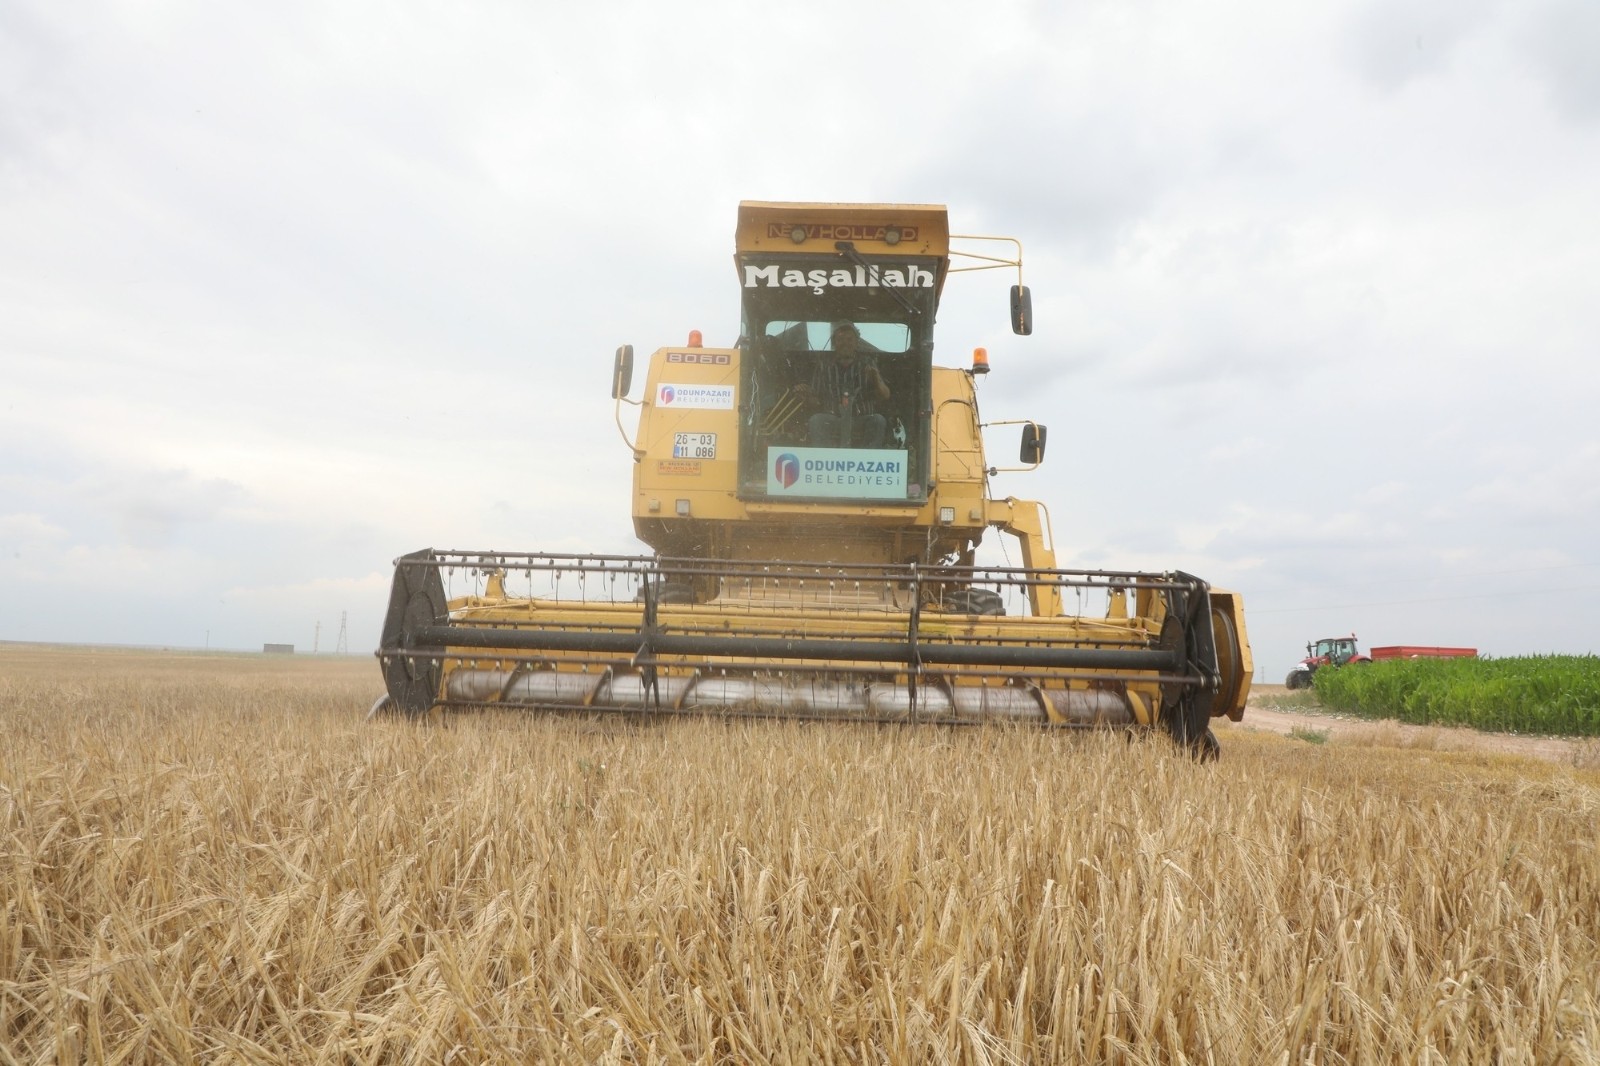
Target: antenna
[343, 647]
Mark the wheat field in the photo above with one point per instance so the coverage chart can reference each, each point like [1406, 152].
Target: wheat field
[210, 858]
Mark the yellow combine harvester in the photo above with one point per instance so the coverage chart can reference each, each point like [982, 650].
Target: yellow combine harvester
[815, 496]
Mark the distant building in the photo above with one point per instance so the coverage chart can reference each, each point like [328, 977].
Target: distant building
[277, 649]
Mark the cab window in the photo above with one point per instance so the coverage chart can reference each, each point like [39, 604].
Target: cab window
[825, 416]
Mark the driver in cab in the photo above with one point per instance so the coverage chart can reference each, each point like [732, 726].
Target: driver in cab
[848, 389]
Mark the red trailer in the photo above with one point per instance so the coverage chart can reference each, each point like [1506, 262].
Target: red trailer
[1422, 651]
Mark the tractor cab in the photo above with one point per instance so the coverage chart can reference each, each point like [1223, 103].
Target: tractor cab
[1334, 651]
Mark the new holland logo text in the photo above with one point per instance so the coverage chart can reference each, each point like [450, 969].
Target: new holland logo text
[841, 231]
[775, 276]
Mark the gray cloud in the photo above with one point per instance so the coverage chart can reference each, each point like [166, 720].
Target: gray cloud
[1394, 44]
[1559, 38]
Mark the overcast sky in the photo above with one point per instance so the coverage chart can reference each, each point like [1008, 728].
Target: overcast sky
[287, 290]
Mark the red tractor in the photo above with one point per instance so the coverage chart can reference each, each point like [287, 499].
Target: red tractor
[1329, 651]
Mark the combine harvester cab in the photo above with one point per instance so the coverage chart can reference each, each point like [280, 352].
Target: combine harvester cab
[815, 496]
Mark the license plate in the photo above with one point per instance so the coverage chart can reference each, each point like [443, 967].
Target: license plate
[694, 446]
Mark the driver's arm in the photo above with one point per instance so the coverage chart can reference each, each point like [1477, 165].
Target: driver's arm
[873, 378]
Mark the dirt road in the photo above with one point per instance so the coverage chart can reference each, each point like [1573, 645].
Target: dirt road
[1263, 715]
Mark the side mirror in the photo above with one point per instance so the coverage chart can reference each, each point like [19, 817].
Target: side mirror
[622, 372]
[1021, 310]
[1033, 436]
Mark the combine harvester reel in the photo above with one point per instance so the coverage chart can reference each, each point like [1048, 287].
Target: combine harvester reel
[863, 642]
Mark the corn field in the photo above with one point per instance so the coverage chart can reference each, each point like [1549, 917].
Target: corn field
[215, 859]
[1556, 694]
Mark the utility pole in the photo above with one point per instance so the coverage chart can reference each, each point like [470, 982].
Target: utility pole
[316, 638]
[343, 645]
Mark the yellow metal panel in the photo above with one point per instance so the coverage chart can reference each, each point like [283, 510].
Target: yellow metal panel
[691, 391]
[924, 229]
[1241, 669]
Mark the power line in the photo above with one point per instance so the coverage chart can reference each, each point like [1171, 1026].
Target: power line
[1429, 599]
[1465, 576]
